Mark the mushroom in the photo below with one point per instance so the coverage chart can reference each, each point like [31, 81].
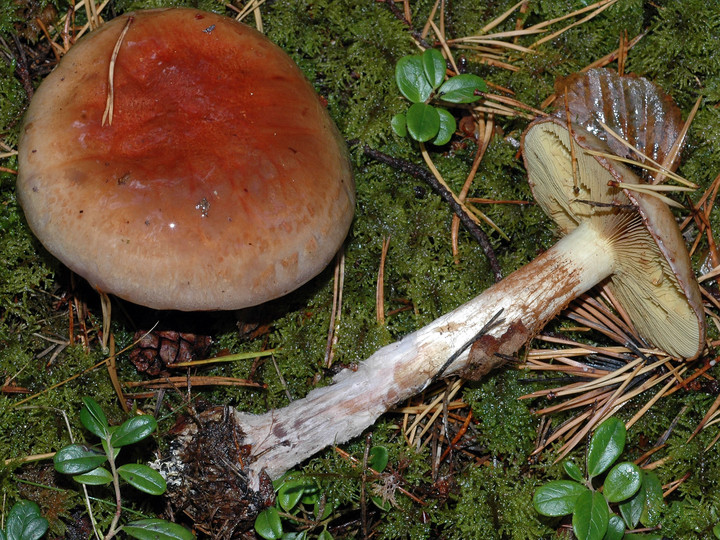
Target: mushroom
[180, 160]
[612, 235]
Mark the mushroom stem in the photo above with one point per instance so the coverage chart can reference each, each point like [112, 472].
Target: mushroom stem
[506, 315]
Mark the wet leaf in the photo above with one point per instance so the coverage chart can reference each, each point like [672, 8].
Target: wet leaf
[558, 498]
[143, 478]
[97, 477]
[423, 122]
[77, 459]
[447, 127]
[622, 482]
[133, 430]
[411, 79]
[268, 524]
[157, 529]
[93, 418]
[461, 89]
[606, 445]
[398, 124]
[591, 516]
[434, 66]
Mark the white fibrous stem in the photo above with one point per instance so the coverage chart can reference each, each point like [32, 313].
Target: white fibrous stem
[499, 321]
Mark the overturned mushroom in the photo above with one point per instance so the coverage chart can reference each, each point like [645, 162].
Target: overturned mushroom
[611, 234]
[180, 160]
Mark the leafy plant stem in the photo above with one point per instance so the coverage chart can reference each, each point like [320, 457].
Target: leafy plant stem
[116, 485]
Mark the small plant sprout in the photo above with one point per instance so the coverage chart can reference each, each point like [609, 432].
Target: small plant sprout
[24, 522]
[421, 79]
[634, 493]
[301, 502]
[86, 465]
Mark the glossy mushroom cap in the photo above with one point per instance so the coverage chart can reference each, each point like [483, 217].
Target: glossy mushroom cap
[220, 183]
[653, 278]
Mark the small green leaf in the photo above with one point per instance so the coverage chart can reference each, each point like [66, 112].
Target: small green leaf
[77, 459]
[385, 506]
[97, 477]
[622, 482]
[398, 125]
[268, 524]
[716, 530]
[591, 516]
[292, 491]
[573, 471]
[133, 430]
[447, 127]
[93, 418]
[411, 79]
[157, 529]
[325, 535]
[434, 66]
[558, 498]
[606, 445]
[462, 88]
[25, 522]
[632, 509]
[378, 458]
[423, 122]
[616, 528]
[143, 478]
[654, 503]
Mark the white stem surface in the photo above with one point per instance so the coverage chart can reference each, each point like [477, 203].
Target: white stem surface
[515, 309]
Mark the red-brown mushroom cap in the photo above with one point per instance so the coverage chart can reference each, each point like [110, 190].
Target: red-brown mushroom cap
[220, 183]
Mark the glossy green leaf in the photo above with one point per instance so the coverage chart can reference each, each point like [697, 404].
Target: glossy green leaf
[292, 491]
[462, 88]
[77, 459]
[606, 445]
[434, 66]
[93, 418]
[133, 430]
[558, 498]
[398, 125]
[573, 470]
[157, 529]
[378, 458]
[97, 477]
[447, 127]
[716, 530]
[591, 516]
[143, 478]
[25, 522]
[616, 528]
[325, 535]
[653, 504]
[268, 524]
[632, 509]
[411, 79]
[622, 482]
[423, 122]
